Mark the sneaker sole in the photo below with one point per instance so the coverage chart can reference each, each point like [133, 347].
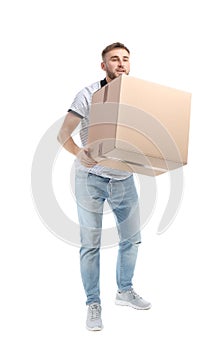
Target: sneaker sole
[126, 303]
[94, 328]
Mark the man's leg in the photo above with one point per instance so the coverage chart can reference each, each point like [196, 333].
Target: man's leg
[126, 210]
[123, 200]
[90, 211]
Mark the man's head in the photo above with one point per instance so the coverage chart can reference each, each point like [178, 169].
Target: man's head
[115, 60]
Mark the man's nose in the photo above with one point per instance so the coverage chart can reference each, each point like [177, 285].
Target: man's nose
[121, 63]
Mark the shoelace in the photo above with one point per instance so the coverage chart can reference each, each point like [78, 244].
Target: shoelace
[95, 311]
[134, 294]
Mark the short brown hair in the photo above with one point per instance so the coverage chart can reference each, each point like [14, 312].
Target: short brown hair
[110, 47]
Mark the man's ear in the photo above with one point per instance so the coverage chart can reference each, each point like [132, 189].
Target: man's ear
[103, 66]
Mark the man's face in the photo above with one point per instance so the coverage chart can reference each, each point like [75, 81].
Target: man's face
[116, 62]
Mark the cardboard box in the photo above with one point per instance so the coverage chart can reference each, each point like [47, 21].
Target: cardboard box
[139, 126]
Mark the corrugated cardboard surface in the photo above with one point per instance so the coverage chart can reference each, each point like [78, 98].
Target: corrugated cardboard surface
[139, 125]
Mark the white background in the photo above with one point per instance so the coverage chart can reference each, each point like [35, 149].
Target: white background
[49, 51]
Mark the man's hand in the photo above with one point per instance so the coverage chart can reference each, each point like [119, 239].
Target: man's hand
[85, 158]
[71, 121]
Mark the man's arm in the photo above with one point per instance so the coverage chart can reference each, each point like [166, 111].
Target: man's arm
[70, 123]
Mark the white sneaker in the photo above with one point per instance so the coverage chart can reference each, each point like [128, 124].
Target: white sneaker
[131, 298]
[94, 321]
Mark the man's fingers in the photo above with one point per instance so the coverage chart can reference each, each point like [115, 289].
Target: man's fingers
[86, 159]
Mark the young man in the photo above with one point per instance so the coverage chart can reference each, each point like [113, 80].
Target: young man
[94, 185]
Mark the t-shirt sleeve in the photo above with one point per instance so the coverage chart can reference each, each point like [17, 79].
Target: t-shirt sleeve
[80, 105]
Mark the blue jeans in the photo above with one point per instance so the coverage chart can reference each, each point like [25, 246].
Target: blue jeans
[121, 195]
